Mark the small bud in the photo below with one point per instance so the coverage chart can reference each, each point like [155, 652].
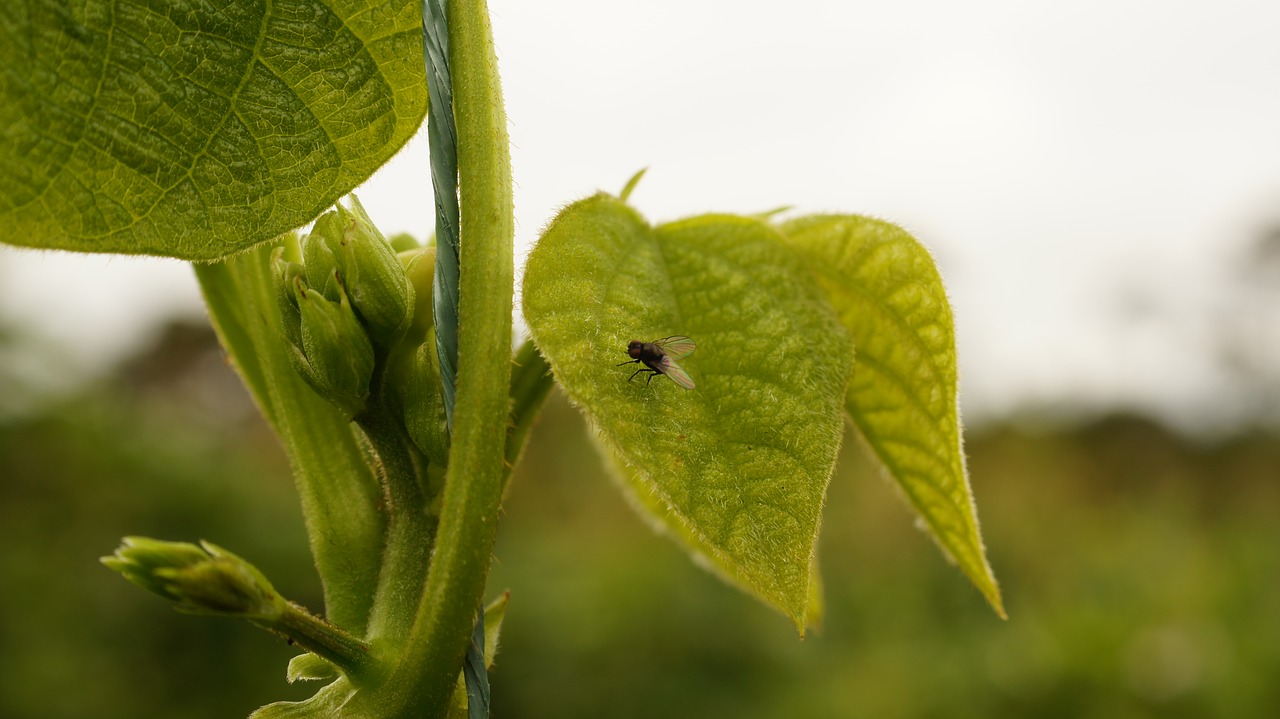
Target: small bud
[420, 271]
[403, 242]
[319, 258]
[335, 356]
[368, 269]
[424, 417]
[284, 275]
[203, 579]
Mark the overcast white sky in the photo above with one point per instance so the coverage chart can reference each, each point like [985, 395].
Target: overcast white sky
[1083, 171]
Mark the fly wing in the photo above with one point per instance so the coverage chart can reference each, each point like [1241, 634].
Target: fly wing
[677, 374]
[677, 347]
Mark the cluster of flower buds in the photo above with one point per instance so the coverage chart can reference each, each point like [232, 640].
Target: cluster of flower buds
[204, 579]
[350, 299]
[344, 306]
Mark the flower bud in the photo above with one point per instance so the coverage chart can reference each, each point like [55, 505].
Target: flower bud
[420, 270]
[368, 270]
[424, 417]
[318, 258]
[203, 579]
[335, 356]
[403, 242]
[284, 274]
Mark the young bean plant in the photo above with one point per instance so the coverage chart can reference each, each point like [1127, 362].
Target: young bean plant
[213, 132]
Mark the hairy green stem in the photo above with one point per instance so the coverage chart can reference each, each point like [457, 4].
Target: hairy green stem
[326, 641]
[410, 528]
[425, 678]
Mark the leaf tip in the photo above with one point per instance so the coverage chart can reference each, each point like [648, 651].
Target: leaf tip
[808, 614]
[631, 184]
[994, 598]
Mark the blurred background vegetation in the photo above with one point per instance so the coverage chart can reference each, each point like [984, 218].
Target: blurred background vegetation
[1141, 568]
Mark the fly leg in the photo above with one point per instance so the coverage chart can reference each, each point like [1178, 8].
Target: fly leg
[642, 369]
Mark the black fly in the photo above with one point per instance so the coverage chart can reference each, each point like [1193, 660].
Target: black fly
[659, 357]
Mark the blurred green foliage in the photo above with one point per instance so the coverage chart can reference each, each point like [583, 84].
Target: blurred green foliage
[168, 446]
[1141, 571]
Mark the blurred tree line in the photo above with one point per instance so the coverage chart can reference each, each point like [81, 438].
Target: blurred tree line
[1141, 570]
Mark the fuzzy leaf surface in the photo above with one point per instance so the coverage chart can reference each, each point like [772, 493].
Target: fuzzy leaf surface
[903, 392]
[195, 130]
[737, 467]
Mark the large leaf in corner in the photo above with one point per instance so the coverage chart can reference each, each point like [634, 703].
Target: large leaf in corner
[737, 466]
[902, 395]
[195, 130]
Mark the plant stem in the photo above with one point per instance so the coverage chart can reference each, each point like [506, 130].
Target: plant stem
[326, 641]
[424, 680]
[339, 494]
[410, 528]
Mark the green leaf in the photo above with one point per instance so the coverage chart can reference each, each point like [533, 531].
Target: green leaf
[530, 385]
[902, 395]
[494, 613]
[196, 130]
[308, 667]
[738, 466]
[329, 702]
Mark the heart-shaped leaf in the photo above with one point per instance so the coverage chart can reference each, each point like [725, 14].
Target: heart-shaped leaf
[737, 466]
[196, 130]
[902, 395]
